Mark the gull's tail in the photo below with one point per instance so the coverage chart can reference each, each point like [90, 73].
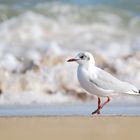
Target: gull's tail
[137, 93]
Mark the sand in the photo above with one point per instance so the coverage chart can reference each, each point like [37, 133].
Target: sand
[70, 128]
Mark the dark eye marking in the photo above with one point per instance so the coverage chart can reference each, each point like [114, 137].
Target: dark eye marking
[82, 56]
[88, 58]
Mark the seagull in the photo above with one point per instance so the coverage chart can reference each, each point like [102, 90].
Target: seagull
[99, 82]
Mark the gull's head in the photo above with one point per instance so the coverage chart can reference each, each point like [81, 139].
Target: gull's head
[83, 58]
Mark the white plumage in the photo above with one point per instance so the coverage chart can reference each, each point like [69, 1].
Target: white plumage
[99, 82]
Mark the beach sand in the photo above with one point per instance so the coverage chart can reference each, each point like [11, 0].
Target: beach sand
[69, 128]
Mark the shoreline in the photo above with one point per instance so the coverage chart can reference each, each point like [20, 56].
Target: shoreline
[72, 116]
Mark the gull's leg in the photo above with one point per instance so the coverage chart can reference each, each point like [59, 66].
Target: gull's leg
[99, 107]
[108, 99]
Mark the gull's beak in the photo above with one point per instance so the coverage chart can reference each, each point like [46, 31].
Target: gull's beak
[72, 60]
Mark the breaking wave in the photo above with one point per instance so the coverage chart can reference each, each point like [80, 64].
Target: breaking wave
[35, 44]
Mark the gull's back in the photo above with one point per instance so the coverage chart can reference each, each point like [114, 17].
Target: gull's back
[106, 81]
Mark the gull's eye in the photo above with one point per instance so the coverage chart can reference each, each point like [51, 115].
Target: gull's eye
[81, 56]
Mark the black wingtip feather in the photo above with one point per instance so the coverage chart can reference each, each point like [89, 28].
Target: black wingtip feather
[139, 91]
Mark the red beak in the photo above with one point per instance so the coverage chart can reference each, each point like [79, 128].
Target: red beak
[71, 60]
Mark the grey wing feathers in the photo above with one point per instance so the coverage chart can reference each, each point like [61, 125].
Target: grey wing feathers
[106, 81]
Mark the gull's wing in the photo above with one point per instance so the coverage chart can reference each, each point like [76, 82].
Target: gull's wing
[106, 81]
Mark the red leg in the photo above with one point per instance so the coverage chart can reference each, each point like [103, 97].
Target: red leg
[99, 102]
[100, 106]
[108, 99]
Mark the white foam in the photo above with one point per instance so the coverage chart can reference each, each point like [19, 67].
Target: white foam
[34, 48]
[27, 98]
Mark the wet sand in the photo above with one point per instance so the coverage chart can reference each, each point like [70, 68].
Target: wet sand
[70, 128]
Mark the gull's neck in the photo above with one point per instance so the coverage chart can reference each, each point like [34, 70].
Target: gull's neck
[88, 66]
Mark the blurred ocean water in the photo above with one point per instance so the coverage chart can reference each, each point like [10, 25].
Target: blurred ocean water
[66, 110]
[128, 4]
[37, 37]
